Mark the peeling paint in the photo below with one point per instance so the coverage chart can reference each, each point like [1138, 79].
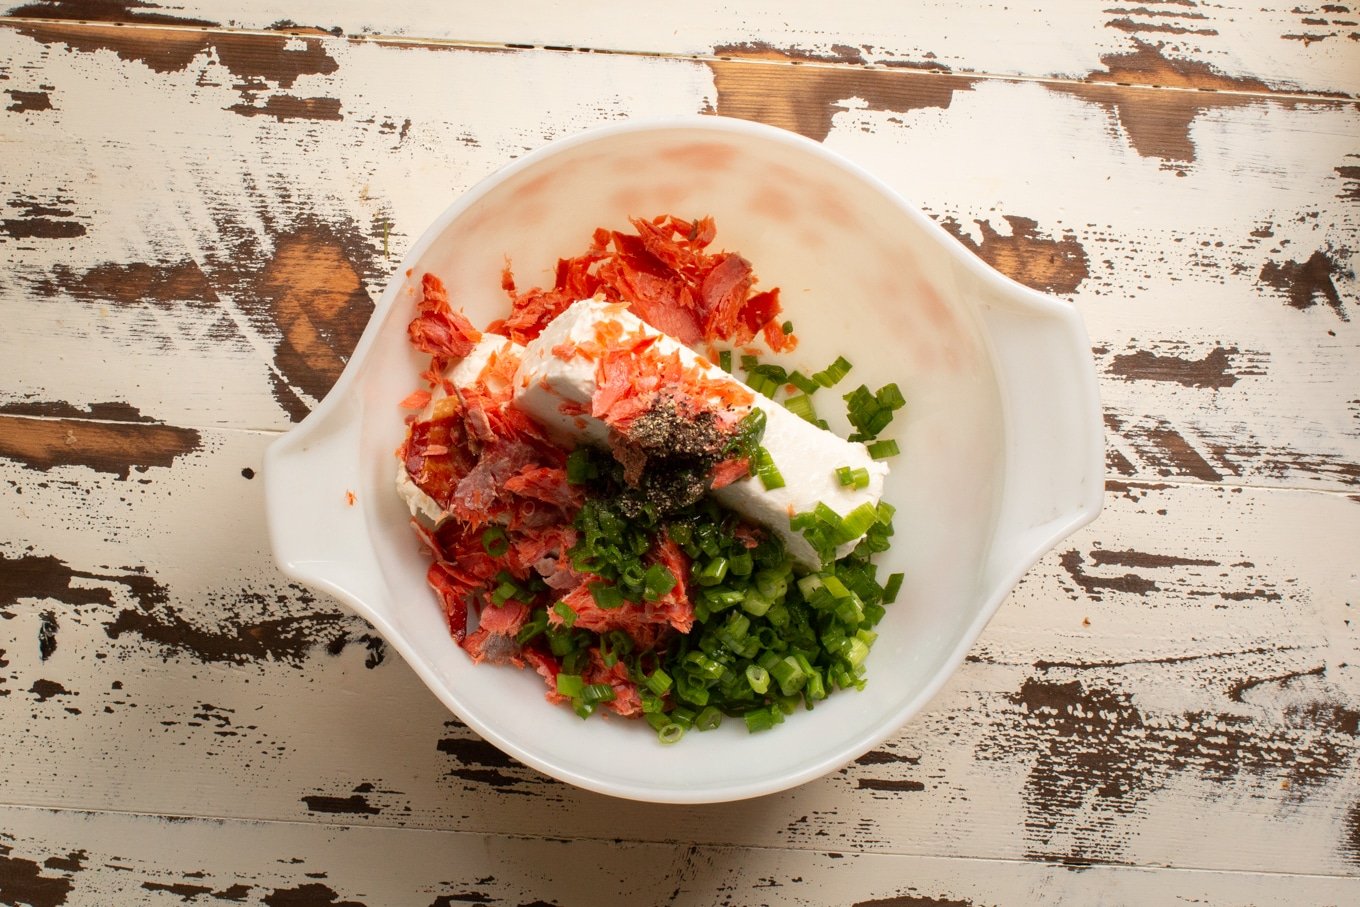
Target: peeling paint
[287, 107]
[313, 894]
[1038, 261]
[116, 448]
[161, 283]
[43, 577]
[312, 289]
[1157, 123]
[805, 99]
[354, 804]
[1305, 284]
[22, 882]
[41, 219]
[28, 101]
[101, 11]
[1214, 370]
[284, 639]
[1099, 756]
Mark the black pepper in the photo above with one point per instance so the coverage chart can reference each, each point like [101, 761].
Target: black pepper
[667, 457]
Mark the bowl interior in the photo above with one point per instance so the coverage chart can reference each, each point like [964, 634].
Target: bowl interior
[862, 276]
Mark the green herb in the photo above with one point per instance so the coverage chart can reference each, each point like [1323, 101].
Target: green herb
[881, 450]
[870, 412]
[765, 470]
[803, 383]
[833, 373]
[801, 406]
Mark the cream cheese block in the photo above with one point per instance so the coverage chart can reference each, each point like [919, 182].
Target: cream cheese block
[555, 390]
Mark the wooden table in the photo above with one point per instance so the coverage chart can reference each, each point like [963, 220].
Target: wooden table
[201, 203]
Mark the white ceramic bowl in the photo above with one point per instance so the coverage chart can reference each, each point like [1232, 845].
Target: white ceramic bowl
[1001, 439]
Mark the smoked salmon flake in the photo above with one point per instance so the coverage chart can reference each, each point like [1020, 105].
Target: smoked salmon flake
[664, 274]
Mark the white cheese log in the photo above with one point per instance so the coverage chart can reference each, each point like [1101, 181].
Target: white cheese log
[464, 373]
[806, 456]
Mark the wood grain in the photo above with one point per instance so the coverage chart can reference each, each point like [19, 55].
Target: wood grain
[56, 857]
[1183, 672]
[1290, 47]
[1176, 686]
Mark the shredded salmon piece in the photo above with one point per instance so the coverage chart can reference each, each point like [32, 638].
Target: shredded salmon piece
[664, 274]
[437, 329]
[416, 400]
[729, 471]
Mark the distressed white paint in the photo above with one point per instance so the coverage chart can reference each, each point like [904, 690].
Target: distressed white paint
[1275, 42]
[182, 737]
[133, 858]
[1252, 578]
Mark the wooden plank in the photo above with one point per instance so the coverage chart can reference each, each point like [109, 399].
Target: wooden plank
[51, 857]
[1177, 686]
[1232, 45]
[54, 857]
[1207, 239]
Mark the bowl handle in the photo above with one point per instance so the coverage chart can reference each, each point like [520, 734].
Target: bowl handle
[1054, 440]
[317, 524]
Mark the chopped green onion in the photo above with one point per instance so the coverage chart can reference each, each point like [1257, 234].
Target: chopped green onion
[766, 471]
[741, 564]
[787, 327]
[835, 587]
[607, 596]
[833, 373]
[758, 678]
[656, 582]
[869, 412]
[801, 406]
[824, 514]
[670, 733]
[703, 665]
[597, 692]
[707, 719]
[803, 382]
[891, 588]
[659, 682]
[570, 685]
[564, 611]
[789, 674]
[857, 478]
[856, 652]
[725, 360]
[721, 599]
[712, 572]
[580, 469]
[494, 541]
[583, 708]
[750, 431]
[536, 624]
[504, 592]
[857, 522]
[755, 604]
[881, 450]
[762, 719]
[890, 397]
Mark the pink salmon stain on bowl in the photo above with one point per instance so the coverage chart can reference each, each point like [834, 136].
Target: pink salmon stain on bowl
[714, 156]
[771, 201]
